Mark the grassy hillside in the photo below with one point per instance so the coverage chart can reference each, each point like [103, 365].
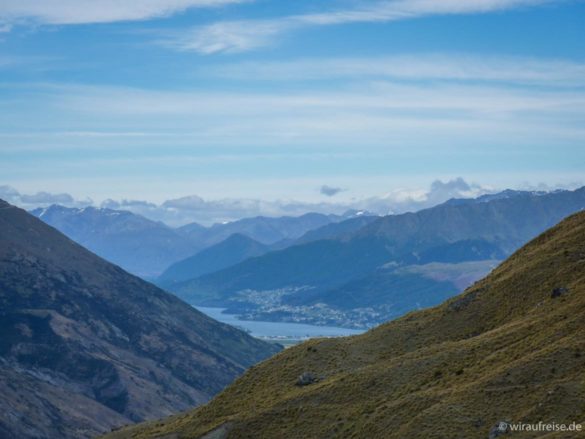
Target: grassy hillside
[506, 349]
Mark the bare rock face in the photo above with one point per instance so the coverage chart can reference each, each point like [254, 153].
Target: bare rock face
[85, 347]
[559, 292]
[500, 429]
[306, 378]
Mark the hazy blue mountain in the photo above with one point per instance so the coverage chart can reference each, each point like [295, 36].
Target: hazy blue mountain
[229, 252]
[239, 247]
[508, 193]
[85, 346]
[147, 248]
[135, 243]
[336, 229]
[192, 230]
[453, 232]
[262, 229]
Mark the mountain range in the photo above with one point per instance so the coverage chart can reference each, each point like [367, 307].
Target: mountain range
[146, 248]
[509, 350]
[360, 264]
[86, 347]
[239, 247]
[265, 230]
[232, 250]
[137, 244]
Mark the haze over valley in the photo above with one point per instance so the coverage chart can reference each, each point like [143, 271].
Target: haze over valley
[261, 219]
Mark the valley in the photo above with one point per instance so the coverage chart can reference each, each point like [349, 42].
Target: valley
[414, 287]
[508, 350]
[284, 333]
[268, 219]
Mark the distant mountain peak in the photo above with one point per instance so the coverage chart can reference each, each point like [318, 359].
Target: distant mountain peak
[353, 213]
[505, 194]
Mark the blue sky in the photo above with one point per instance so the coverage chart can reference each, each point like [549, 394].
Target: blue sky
[267, 99]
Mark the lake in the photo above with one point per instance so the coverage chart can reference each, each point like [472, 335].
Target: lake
[277, 330]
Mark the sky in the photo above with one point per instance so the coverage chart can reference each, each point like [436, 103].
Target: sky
[272, 103]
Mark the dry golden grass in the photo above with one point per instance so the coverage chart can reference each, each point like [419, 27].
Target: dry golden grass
[503, 350]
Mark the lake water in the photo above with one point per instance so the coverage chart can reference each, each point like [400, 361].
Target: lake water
[277, 330]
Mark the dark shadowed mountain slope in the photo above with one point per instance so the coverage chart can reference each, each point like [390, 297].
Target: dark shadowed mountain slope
[448, 233]
[85, 346]
[511, 348]
[234, 249]
[137, 244]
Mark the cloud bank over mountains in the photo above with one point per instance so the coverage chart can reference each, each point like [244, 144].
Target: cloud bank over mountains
[13, 196]
[179, 211]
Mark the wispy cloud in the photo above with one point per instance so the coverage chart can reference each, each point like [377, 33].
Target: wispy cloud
[233, 36]
[372, 112]
[241, 36]
[446, 67]
[92, 11]
[377, 96]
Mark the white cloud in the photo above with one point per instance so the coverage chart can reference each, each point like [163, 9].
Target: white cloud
[194, 208]
[412, 199]
[373, 96]
[393, 10]
[234, 36]
[441, 115]
[46, 198]
[95, 11]
[240, 36]
[446, 67]
[8, 193]
[42, 198]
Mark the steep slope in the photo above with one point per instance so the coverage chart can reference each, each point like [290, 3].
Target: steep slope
[449, 233]
[512, 348]
[234, 249]
[137, 244]
[84, 346]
